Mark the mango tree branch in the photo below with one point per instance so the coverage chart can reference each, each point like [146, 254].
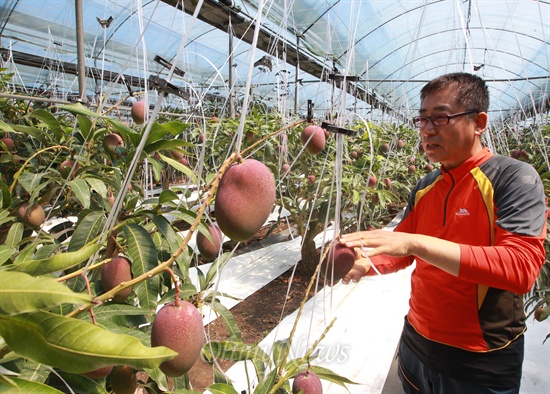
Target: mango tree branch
[37, 153]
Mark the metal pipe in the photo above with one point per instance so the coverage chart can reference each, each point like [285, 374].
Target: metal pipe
[231, 87]
[296, 78]
[81, 70]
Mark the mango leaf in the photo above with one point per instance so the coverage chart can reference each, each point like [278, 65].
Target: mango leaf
[180, 167]
[34, 371]
[21, 293]
[74, 345]
[5, 217]
[144, 337]
[26, 386]
[78, 109]
[221, 388]
[30, 181]
[322, 372]
[125, 131]
[279, 351]
[170, 235]
[159, 131]
[15, 235]
[6, 252]
[83, 384]
[167, 196]
[234, 332]
[57, 262]
[82, 191]
[97, 185]
[85, 125]
[26, 254]
[143, 255]
[32, 132]
[106, 311]
[265, 386]
[6, 127]
[158, 376]
[88, 229]
[165, 145]
[50, 120]
[187, 290]
[5, 196]
[237, 351]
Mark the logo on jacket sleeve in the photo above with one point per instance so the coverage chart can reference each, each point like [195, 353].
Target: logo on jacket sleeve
[462, 212]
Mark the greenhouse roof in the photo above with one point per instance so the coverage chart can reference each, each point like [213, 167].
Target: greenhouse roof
[285, 52]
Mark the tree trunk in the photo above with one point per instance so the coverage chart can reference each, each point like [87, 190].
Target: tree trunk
[310, 257]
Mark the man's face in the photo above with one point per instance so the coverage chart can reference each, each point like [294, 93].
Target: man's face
[454, 143]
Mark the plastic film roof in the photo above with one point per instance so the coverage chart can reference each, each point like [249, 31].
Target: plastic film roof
[382, 52]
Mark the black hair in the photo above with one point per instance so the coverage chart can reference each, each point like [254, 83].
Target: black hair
[473, 93]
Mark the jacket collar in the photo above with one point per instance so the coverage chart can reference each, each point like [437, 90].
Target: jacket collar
[473, 162]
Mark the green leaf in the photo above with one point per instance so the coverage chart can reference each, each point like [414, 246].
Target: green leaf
[82, 191]
[58, 262]
[26, 386]
[279, 351]
[167, 195]
[234, 332]
[107, 311]
[6, 127]
[32, 132]
[15, 235]
[165, 145]
[50, 120]
[87, 230]
[174, 241]
[74, 345]
[82, 384]
[237, 351]
[187, 290]
[323, 373]
[180, 167]
[5, 196]
[6, 253]
[30, 181]
[97, 185]
[159, 131]
[85, 125]
[34, 371]
[265, 386]
[221, 388]
[143, 254]
[21, 293]
[78, 109]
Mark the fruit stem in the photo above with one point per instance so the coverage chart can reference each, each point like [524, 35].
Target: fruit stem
[178, 291]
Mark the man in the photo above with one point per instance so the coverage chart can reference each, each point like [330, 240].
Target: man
[476, 229]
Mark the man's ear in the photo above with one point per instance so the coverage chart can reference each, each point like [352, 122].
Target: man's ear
[480, 123]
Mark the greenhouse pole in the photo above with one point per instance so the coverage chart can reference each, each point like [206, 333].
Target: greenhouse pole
[296, 78]
[81, 70]
[231, 87]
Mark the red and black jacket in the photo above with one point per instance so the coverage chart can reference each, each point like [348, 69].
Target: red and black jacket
[495, 208]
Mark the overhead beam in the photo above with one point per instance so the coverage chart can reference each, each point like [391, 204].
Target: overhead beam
[216, 14]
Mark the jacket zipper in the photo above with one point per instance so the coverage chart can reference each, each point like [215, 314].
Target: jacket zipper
[447, 198]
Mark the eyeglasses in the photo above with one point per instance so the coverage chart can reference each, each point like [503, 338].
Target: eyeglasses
[439, 119]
